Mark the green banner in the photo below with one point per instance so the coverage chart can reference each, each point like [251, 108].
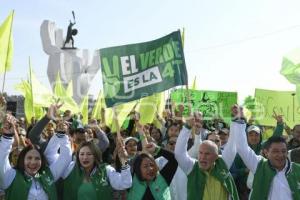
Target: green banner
[210, 103]
[281, 102]
[134, 71]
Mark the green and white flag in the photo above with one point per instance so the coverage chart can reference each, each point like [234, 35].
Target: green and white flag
[134, 71]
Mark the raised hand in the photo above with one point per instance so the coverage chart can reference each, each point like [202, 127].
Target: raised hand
[198, 122]
[2, 101]
[278, 118]
[151, 147]
[9, 125]
[53, 110]
[237, 112]
[190, 121]
[122, 153]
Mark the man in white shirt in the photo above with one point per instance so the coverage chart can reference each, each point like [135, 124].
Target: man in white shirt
[275, 178]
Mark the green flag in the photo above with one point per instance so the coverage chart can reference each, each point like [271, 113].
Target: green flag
[290, 66]
[6, 44]
[134, 71]
[210, 103]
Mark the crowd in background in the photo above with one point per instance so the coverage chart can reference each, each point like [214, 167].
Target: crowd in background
[58, 157]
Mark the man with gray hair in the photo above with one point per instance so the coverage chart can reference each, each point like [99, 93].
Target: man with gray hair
[209, 176]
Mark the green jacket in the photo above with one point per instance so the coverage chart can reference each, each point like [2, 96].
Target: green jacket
[159, 189]
[99, 180]
[264, 175]
[197, 180]
[19, 189]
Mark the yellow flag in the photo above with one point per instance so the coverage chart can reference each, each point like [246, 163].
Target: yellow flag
[147, 108]
[21, 87]
[194, 86]
[41, 95]
[161, 103]
[96, 113]
[122, 112]
[31, 110]
[61, 93]
[84, 109]
[6, 44]
[69, 91]
[28, 103]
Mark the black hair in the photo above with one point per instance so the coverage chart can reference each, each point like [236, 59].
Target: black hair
[94, 149]
[20, 162]
[138, 162]
[274, 139]
[210, 133]
[172, 124]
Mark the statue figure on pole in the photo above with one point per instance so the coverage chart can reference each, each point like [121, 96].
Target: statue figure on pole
[75, 65]
[70, 33]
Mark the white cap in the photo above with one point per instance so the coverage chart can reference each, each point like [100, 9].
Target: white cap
[254, 128]
[131, 138]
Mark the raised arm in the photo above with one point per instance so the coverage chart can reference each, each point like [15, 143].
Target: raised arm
[196, 131]
[185, 162]
[120, 180]
[103, 140]
[238, 132]
[7, 173]
[229, 151]
[65, 156]
[279, 126]
[248, 156]
[51, 151]
[169, 169]
[35, 133]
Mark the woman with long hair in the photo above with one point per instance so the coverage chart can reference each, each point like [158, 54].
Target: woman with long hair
[32, 177]
[149, 180]
[89, 178]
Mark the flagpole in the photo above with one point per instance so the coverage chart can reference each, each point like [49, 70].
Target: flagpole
[187, 84]
[115, 119]
[30, 81]
[4, 75]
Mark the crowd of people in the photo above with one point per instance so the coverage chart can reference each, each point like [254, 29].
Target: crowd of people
[58, 157]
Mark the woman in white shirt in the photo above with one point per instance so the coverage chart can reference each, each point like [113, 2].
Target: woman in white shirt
[32, 178]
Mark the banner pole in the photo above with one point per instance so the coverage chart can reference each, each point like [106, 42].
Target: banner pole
[4, 76]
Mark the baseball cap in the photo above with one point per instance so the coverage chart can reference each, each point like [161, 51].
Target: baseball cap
[131, 138]
[253, 128]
